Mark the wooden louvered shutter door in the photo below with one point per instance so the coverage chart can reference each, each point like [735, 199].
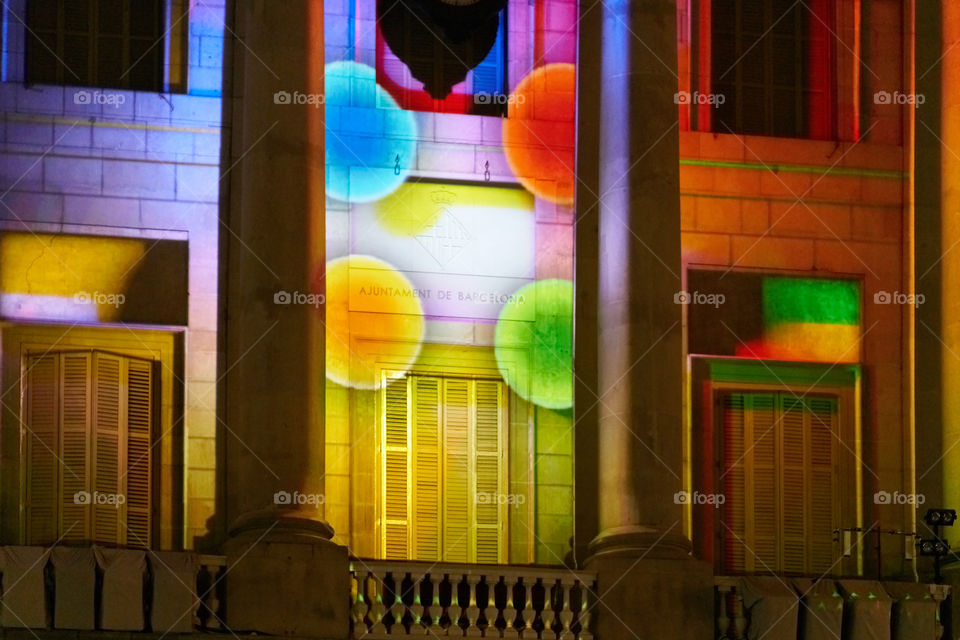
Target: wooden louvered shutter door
[749, 482]
[822, 417]
[396, 465]
[793, 482]
[491, 513]
[136, 477]
[41, 412]
[458, 498]
[75, 517]
[734, 527]
[762, 479]
[107, 447]
[426, 460]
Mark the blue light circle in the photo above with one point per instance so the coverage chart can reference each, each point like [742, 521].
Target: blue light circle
[365, 132]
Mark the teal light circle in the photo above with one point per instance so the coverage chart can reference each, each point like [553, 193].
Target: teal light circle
[533, 342]
[365, 133]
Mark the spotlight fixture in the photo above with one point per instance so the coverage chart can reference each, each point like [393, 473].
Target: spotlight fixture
[940, 517]
[934, 547]
[937, 547]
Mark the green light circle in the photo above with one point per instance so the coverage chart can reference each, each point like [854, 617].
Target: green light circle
[534, 343]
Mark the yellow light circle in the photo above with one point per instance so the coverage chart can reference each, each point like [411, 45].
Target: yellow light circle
[374, 318]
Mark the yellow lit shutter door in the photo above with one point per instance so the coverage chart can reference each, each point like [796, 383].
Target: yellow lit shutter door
[491, 512]
[107, 446]
[426, 456]
[136, 478]
[458, 498]
[41, 411]
[762, 478]
[396, 465]
[75, 517]
[822, 417]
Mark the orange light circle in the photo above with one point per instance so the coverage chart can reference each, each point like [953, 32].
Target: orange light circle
[539, 132]
[369, 303]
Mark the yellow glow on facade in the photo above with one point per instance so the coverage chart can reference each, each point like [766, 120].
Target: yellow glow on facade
[369, 302]
[79, 270]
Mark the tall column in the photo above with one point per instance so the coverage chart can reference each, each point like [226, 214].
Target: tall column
[950, 236]
[647, 580]
[939, 264]
[284, 572]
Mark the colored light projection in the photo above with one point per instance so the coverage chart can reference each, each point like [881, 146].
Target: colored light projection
[466, 249]
[93, 279]
[458, 261]
[539, 132]
[370, 142]
[534, 344]
[776, 317]
[369, 299]
[810, 319]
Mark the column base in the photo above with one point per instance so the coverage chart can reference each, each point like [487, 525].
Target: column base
[286, 577]
[650, 586]
[637, 540]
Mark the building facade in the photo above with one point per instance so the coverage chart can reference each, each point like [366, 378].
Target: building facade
[517, 318]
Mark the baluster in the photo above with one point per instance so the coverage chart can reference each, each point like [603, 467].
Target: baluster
[214, 621]
[723, 617]
[377, 610]
[455, 610]
[509, 612]
[416, 609]
[396, 608]
[585, 615]
[491, 613]
[739, 616]
[435, 610]
[566, 613]
[548, 612]
[203, 583]
[360, 607]
[528, 614]
[939, 594]
[473, 611]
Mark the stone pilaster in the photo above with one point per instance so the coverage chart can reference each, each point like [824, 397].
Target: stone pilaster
[284, 572]
[647, 579]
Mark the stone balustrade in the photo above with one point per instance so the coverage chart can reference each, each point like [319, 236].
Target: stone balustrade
[106, 589]
[749, 607]
[422, 599]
